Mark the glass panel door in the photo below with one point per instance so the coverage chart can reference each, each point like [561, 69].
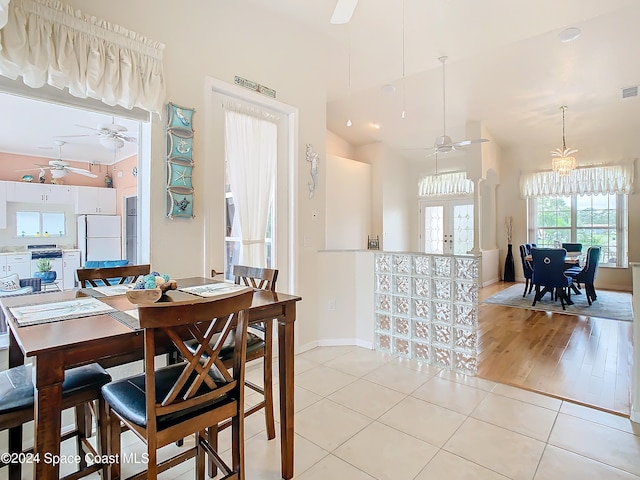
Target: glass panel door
[462, 240]
[446, 226]
[433, 231]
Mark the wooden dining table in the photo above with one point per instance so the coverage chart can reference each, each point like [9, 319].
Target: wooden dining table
[114, 339]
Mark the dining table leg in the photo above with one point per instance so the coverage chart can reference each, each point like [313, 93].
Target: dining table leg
[48, 405]
[286, 370]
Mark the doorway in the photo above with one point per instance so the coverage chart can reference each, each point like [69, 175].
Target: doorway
[446, 226]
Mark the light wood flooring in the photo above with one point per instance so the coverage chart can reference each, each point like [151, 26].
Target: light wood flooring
[583, 359]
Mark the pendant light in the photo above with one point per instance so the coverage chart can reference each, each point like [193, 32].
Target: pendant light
[349, 122]
[404, 88]
[563, 163]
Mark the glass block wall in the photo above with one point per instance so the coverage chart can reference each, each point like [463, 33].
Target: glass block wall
[426, 308]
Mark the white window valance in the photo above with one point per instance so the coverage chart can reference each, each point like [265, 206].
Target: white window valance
[48, 42]
[4, 13]
[445, 184]
[612, 179]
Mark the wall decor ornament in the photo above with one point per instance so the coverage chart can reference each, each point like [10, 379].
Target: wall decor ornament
[180, 118]
[179, 161]
[312, 158]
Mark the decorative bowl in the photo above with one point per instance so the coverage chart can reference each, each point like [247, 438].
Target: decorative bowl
[144, 296]
[150, 295]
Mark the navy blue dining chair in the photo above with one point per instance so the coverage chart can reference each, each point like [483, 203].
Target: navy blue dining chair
[548, 274]
[527, 269]
[572, 247]
[588, 273]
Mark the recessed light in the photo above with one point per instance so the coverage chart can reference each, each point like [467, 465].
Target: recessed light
[569, 34]
[376, 125]
[349, 123]
[388, 88]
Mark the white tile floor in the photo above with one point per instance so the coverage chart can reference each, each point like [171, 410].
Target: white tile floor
[364, 415]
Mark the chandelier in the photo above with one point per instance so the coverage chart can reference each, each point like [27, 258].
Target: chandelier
[562, 162]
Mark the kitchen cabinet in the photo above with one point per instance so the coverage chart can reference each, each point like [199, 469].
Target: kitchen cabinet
[41, 193]
[70, 263]
[95, 200]
[19, 263]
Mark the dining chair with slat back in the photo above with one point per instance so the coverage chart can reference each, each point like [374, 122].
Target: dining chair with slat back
[94, 277]
[262, 279]
[166, 404]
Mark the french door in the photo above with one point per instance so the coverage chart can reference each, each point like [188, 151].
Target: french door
[446, 226]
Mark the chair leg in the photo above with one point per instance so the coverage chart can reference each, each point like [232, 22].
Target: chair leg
[81, 432]
[152, 465]
[268, 380]
[15, 446]
[114, 443]
[103, 434]
[200, 454]
[212, 438]
[536, 297]
[237, 449]
[526, 286]
[530, 285]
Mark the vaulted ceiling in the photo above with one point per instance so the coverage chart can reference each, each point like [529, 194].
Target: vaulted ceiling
[507, 69]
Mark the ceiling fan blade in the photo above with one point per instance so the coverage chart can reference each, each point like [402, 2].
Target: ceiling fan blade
[81, 171]
[128, 138]
[74, 136]
[343, 12]
[464, 143]
[84, 126]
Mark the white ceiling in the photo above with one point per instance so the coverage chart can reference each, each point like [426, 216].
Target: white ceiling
[507, 69]
[31, 127]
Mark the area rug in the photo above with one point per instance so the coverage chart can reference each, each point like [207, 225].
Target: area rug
[611, 305]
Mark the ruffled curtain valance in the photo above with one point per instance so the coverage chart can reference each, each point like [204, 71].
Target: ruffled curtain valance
[48, 42]
[445, 184]
[4, 12]
[612, 179]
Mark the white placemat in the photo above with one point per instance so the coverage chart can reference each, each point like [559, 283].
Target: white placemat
[213, 289]
[113, 290]
[53, 312]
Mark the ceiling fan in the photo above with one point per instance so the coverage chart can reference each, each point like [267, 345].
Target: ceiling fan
[444, 143]
[60, 168]
[111, 135]
[343, 12]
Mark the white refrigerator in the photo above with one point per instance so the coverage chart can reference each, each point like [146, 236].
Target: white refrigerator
[100, 237]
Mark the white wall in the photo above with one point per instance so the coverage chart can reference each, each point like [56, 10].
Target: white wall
[345, 298]
[393, 190]
[221, 39]
[338, 146]
[348, 203]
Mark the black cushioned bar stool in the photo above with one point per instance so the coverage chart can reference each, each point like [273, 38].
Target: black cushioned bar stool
[81, 385]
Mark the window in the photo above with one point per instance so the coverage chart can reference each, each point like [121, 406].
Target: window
[40, 224]
[593, 220]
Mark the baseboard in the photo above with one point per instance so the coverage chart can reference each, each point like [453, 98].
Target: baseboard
[491, 282]
[340, 342]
